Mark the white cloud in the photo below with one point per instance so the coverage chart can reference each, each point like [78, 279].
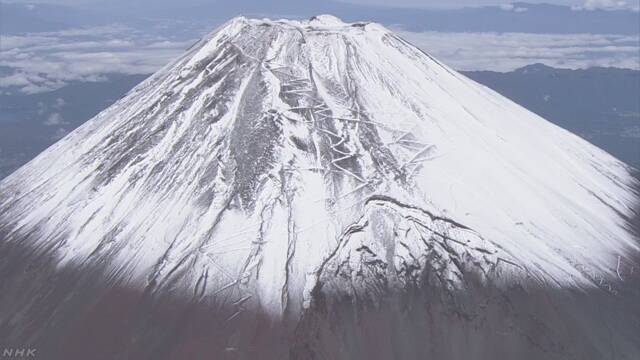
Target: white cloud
[114, 29]
[20, 41]
[55, 119]
[512, 7]
[59, 103]
[608, 5]
[508, 51]
[41, 108]
[46, 61]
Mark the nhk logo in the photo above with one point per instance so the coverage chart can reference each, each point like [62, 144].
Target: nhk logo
[17, 353]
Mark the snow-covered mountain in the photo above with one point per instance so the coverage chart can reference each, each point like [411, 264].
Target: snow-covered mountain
[282, 176]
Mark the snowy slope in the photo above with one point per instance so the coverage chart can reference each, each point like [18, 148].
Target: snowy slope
[274, 154]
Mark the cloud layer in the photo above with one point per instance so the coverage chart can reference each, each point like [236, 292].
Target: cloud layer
[506, 4]
[40, 62]
[609, 5]
[508, 51]
[47, 61]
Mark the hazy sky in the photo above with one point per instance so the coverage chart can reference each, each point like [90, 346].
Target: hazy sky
[407, 3]
[585, 4]
[440, 3]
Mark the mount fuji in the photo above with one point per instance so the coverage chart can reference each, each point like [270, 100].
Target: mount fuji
[319, 190]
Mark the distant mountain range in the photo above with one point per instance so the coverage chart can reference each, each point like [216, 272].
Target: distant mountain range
[599, 104]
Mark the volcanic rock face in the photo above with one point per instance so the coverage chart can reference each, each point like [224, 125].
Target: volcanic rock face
[318, 190]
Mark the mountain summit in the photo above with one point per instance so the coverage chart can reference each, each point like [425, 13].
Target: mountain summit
[317, 189]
